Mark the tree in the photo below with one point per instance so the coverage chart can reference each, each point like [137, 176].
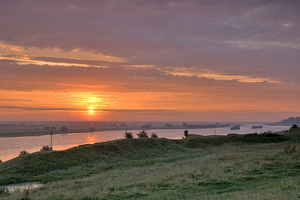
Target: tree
[64, 129]
[186, 133]
[46, 148]
[22, 153]
[142, 134]
[128, 135]
[153, 135]
[293, 127]
[92, 129]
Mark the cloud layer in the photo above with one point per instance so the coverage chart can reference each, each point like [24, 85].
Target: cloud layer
[181, 56]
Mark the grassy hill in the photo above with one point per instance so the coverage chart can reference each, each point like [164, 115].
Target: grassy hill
[198, 167]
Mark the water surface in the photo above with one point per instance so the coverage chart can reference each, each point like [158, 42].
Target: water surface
[10, 147]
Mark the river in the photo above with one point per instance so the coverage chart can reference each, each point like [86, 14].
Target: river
[10, 147]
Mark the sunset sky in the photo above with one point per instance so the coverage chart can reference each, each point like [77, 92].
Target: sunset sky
[160, 60]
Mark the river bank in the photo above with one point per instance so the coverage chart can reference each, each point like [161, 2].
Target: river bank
[10, 147]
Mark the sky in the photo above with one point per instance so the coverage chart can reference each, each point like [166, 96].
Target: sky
[154, 60]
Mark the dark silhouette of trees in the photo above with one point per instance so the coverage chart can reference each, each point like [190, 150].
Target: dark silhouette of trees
[153, 135]
[293, 127]
[186, 133]
[142, 134]
[146, 126]
[22, 153]
[64, 129]
[46, 148]
[123, 125]
[128, 135]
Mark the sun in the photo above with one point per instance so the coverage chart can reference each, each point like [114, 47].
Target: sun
[91, 111]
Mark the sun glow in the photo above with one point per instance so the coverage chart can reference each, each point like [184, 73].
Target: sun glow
[91, 111]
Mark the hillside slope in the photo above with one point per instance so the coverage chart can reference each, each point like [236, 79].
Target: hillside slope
[197, 167]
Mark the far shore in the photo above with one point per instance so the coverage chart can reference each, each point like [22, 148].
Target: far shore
[24, 129]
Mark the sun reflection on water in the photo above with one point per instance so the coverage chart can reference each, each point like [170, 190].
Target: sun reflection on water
[90, 138]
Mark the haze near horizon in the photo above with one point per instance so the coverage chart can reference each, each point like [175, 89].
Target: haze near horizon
[127, 60]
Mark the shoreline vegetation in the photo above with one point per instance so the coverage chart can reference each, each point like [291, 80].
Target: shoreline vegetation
[251, 166]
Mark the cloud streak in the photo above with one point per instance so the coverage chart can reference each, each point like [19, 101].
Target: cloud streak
[82, 110]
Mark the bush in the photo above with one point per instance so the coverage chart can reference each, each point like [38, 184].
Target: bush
[46, 148]
[290, 149]
[23, 153]
[153, 135]
[142, 134]
[0, 161]
[186, 133]
[128, 135]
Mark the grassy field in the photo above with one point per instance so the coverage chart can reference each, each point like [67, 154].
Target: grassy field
[197, 167]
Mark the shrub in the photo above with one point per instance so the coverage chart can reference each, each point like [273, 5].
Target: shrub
[186, 133]
[0, 161]
[142, 134]
[153, 135]
[46, 148]
[290, 149]
[128, 135]
[23, 153]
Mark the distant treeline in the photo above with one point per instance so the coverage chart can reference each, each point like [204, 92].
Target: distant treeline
[216, 125]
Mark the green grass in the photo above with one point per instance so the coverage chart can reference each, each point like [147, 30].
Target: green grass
[197, 167]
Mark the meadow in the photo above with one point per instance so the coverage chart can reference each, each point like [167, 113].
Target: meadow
[253, 166]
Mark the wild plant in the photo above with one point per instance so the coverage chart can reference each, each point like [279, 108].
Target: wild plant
[142, 134]
[186, 133]
[22, 153]
[153, 135]
[46, 148]
[290, 149]
[4, 191]
[128, 135]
